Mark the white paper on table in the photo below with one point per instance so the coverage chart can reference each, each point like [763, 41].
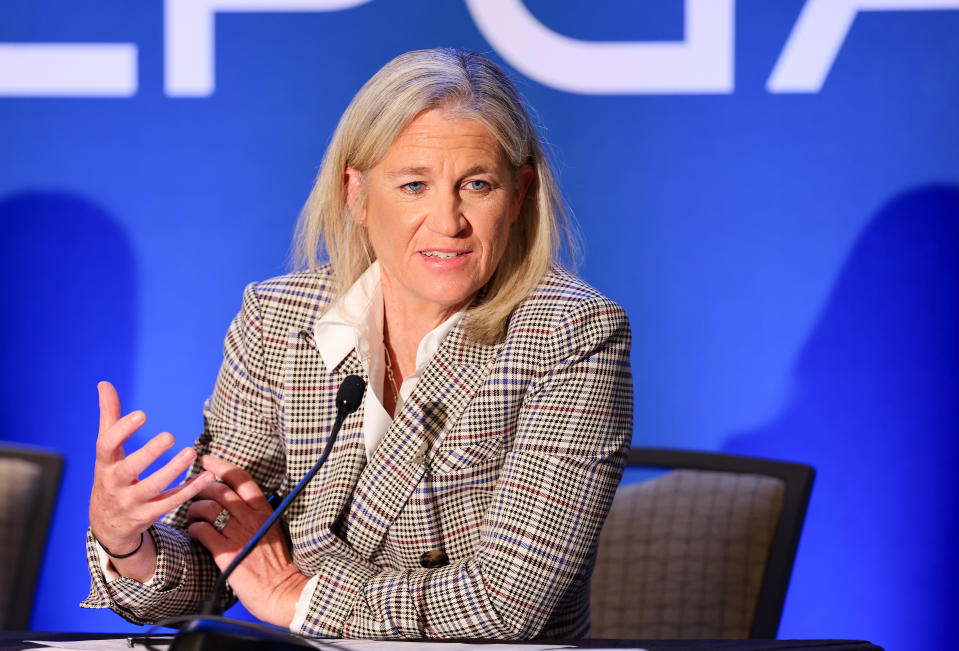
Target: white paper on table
[112, 644]
[116, 644]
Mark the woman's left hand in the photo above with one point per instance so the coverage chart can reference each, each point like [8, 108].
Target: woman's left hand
[267, 581]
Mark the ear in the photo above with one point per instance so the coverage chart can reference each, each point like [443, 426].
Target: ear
[524, 177]
[353, 180]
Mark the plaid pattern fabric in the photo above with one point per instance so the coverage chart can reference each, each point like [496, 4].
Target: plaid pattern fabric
[506, 456]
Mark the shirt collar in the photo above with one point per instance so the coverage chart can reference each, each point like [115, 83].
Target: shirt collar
[430, 343]
[348, 324]
[356, 321]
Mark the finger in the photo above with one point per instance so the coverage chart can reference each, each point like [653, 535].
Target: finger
[138, 461]
[205, 510]
[219, 492]
[174, 497]
[206, 535]
[109, 405]
[226, 496]
[237, 479]
[111, 440]
[156, 483]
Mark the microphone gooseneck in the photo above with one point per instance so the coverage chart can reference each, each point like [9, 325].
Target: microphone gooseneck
[205, 635]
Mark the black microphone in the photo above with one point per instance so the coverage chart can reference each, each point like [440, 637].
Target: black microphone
[214, 632]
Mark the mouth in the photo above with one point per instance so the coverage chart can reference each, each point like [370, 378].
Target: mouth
[442, 255]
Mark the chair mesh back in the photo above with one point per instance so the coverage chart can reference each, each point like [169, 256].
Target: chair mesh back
[683, 555]
[20, 488]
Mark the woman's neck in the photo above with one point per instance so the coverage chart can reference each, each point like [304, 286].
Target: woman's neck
[406, 322]
[403, 331]
[401, 340]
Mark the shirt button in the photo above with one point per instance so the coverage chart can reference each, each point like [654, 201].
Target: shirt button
[434, 558]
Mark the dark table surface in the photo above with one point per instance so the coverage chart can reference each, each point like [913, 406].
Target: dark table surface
[15, 640]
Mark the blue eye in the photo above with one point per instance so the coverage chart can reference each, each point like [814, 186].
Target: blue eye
[477, 186]
[414, 186]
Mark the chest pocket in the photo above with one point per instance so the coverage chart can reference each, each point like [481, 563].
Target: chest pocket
[451, 461]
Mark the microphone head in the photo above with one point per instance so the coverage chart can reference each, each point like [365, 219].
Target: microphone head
[350, 395]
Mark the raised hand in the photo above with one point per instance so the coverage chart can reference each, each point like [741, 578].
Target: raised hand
[267, 581]
[123, 506]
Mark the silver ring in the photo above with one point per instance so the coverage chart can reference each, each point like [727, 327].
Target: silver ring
[221, 519]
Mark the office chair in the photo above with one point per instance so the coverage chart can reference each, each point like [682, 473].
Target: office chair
[28, 493]
[702, 551]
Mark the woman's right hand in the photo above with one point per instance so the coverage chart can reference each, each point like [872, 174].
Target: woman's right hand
[122, 506]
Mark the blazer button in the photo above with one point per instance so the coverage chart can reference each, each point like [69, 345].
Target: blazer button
[434, 558]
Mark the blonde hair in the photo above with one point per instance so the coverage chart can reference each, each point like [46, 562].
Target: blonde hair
[469, 85]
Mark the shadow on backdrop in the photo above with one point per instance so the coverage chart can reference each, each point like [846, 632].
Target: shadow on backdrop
[875, 408]
[69, 320]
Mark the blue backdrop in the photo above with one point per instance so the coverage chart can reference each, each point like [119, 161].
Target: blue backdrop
[770, 189]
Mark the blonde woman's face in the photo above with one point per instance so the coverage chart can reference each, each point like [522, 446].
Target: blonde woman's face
[438, 209]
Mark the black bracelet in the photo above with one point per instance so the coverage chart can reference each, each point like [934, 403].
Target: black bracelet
[111, 554]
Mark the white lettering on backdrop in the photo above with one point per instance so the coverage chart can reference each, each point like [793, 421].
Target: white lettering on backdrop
[818, 35]
[190, 36]
[703, 62]
[68, 69]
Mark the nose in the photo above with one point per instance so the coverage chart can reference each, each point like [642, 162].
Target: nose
[446, 216]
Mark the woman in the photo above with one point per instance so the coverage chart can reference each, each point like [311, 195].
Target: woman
[464, 498]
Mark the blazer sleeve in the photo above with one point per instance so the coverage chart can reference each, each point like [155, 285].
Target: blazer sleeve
[554, 490]
[239, 425]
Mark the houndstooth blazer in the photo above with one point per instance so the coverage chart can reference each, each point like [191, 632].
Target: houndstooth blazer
[506, 456]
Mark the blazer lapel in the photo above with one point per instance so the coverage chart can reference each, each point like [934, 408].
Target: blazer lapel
[308, 385]
[449, 382]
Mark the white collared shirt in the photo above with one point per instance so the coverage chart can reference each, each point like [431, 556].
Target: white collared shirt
[355, 322]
